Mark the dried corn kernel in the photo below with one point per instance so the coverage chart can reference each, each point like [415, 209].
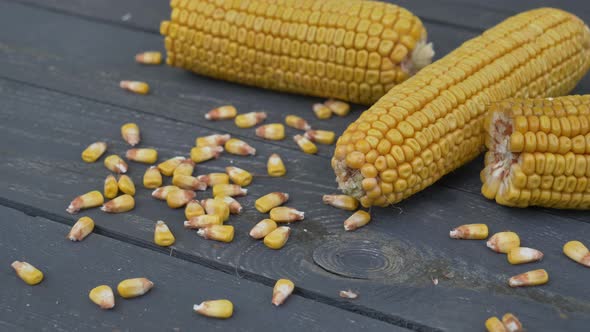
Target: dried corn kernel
[162, 235]
[139, 87]
[470, 232]
[277, 238]
[81, 229]
[321, 136]
[169, 166]
[357, 220]
[222, 113]
[204, 153]
[249, 120]
[239, 176]
[348, 294]
[188, 182]
[239, 147]
[86, 201]
[178, 198]
[130, 133]
[126, 185]
[263, 228]
[111, 188]
[503, 241]
[152, 178]
[493, 324]
[115, 164]
[212, 179]
[322, 111]
[120, 204]
[203, 221]
[149, 58]
[270, 201]
[275, 166]
[234, 206]
[162, 192]
[305, 144]
[212, 140]
[343, 202]
[512, 323]
[281, 291]
[216, 207]
[94, 151]
[193, 209]
[222, 233]
[27, 272]
[186, 167]
[523, 255]
[130, 288]
[338, 107]
[286, 214]
[531, 278]
[578, 252]
[103, 296]
[215, 308]
[232, 190]
[146, 156]
[297, 122]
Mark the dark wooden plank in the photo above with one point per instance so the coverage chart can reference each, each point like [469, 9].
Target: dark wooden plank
[60, 302]
[403, 251]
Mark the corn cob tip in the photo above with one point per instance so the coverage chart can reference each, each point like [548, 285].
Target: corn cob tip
[421, 57]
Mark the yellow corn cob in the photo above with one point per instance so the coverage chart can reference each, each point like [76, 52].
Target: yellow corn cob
[502, 242]
[177, 198]
[162, 235]
[234, 206]
[523, 255]
[270, 201]
[222, 113]
[161, 193]
[531, 278]
[343, 202]
[275, 166]
[212, 179]
[94, 151]
[539, 152]
[152, 178]
[297, 122]
[115, 164]
[286, 214]
[216, 207]
[81, 229]
[338, 107]
[130, 288]
[232, 190]
[239, 147]
[120, 204]
[146, 156]
[27, 272]
[273, 131]
[263, 228]
[186, 167]
[281, 291]
[215, 308]
[193, 209]
[103, 296]
[320, 136]
[493, 324]
[126, 185]
[188, 182]
[322, 111]
[305, 144]
[239, 176]
[86, 201]
[167, 167]
[130, 133]
[212, 140]
[149, 58]
[249, 120]
[357, 220]
[470, 232]
[431, 124]
[139, 87]
[111, 188]
[222, 233]
[348, 49]
[512, 323]
[200, 154]
[277, 238]
[203, 221]
[578, 252]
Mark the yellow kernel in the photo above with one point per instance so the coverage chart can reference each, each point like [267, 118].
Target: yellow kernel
[222, 113]
[229, 190]
[239, 147]
[357, 220]
[321, 136]
[177, 198]
[341, 201]
[167, 167]
[248, 120]
[120, 204]
[94, 151]
[126, 185]
[578, 252]
[103, 296]
[286, 214]
[493, 324]
[186, 167]
[511, 323]
[531, 278]
[130, 288]
[162, 235]
[212, 179]
[521, 255]
[222, 233]
[152, 178]
[322, 111]
[275, 166]
[149, 58]
[188, 182]
[305, 144]
[470, 232]
[339, 108]
[215, 308]
[138, 87]
[193, 209]
[281, 291]
[212, 140]
[273, 131]
[86, 201]
[297, 122]
[201, 154]
[111, 188]
[146, 156]
[27, 272]
[277, 238]
[81, 229]
[504, 241]
[239, 176]
[115, 164]
[263, 228]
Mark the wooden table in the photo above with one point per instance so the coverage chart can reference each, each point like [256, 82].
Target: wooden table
[60, 64]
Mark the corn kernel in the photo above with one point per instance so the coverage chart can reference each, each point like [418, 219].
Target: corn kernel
[86, 201]
[188, 182]
[149, 58]
[168, 167]
[339, 108]
[94, 151]
[239, 147]
[27, 272]
[203, 221]
[512, 323]
[162, 235]
[343, 202]
[130, 288]
[357, 220]
[578, 252]
[234, 206]
[503, 241]
[115, 164]
[232, 190]
[193, 209]
[348, 294]
[215, 308]
[111, 188]
[103, 296]
[275, 166]
[126, 185]
[130, 133]
[321, 136]
[305, 144]
[216, 207]
[470, 232]
[152, 178]
[531, 278]
[222, 233]
[273, 131]
[201, 154]
[141, 88]
[161, 193]
[146, 156]
[249, 120]
[212, 140]
[281, 291]
[270, 201]
[297, 122]
[120, 204]
[277, 238]
[239, 176]
[263, 228]
[493, 324]
[523, 255]
[322, 111]
[286, 214]
[186, 167]
[212, 179]
[222, 113]
[81, 229]
[178, 198]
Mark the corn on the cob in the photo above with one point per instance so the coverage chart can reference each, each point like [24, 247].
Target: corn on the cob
[203, 221]
[152, 178]
[320, 136]
[186, 167]
[222, 233]
[531, 278]
[94, 151]
[115, 164]
[523, 255]
[357, 220]
[305, 144]
[270, 201]
[431, 124]
[578, 252]
[347, 49]
[286, 214]
[130, 133]
[539, 152]
[234, 206]
[111, 188]
[168, 167]
[212, 179]
[239, 176]
[338, 107]
[139, 87]
[120, 204]
[275, 166]
[493, 324]
[343, 202]
[193, 209]
[146, 156]
[502, 242]
[277, 238]
[273, 131]
[161, 193]
[212, 140]
[200, 154]
[215, 308]
[322, 111]
[149, 58]
[297, 122]
[126, 185]
[512, 323]
[103, 296]
[222, 113]
[216, 207]
[232, 190]
[177, 198]
[249, 120]
[263, 228]
[86, 201]
[188, 182]
[27, 272]
[162, 235]
[281, 291]
[470, 232]
[81, 229]
[239, 147]
[130, 288]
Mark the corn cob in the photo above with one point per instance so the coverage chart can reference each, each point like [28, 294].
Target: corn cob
[539, 152]
[347, 49]
[432, 123]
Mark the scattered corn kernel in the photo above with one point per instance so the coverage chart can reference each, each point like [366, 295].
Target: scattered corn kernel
[297, 122]
[273, 131]
[493, 324]
[322, 111]
[357, 220]
[216, 207]
[343, 202]
[531, 278]
[115, 164]
[470, 232]
[188, 182]
[305, 144]
[215, 308]
[103, 296]
[321, 136]
[277, 238]
[86, 201]
[186, 167]
[222, 233]
[111, 188]
[248, 120]
[348, 294]
[578, 252]
[212, 140]
[81, 229]
[193, 209]
[270, 201]
[283, 288]
[146, 156]
[149, 58]
[503, 241]
[162, 235]
[94, 151]
[152, 178]
[130, 288]
[120, 204]
[239, 147]
[178, 198]
[523, 255]
[263, 228]
[130, 133]
[203, 221]
[204, 153]
[338, 107]
[167, 167]
[234, 206]
[229, 190]
[512, 323]
[162, 192]
[239, 176]
[222, 113]
[141, 88]
[126, 185]
[212, 179]
[275, 166]
[27, 272]
[286, 214]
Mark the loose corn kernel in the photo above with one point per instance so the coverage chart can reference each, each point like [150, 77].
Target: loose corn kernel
[86, 201]
[249, 120]
[578, 252]
[162, 192]
[126, 185]
[493, 324]
[232, 190]
[357, 220]
[281, 291]
[523, 255]
[305, 144]
[115, 164]
[130, 133]
[216, 207]
[503, 241]
[270, 201]
[178, 198]
[222, 233]
[169, 166]
[27, 272]
[470, 232]
[130, 288]
[120, 204]
[94, 151]
[111, 188]
[193, 209]
[162, 235]
[321, 136]
[239, 147]
[222, 113]
[277, 238]
[234, 206]
[239, 176]
[275, 166]
[152, 178]
[273, 131]
[149, 58]
[103, 296]
[343, 202]
[81, 229]
[201, 154]
[188, 182]
[215, 308]
[203, 221]
[512, 323]
[139, 87]
[348, 294]
[322, 111]
[212, 140]
[297, 122]
[186, 167]
[531, 278]
[286, 214]
[212, 179]
[146, 156]
[338, 107]
[263, 228]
